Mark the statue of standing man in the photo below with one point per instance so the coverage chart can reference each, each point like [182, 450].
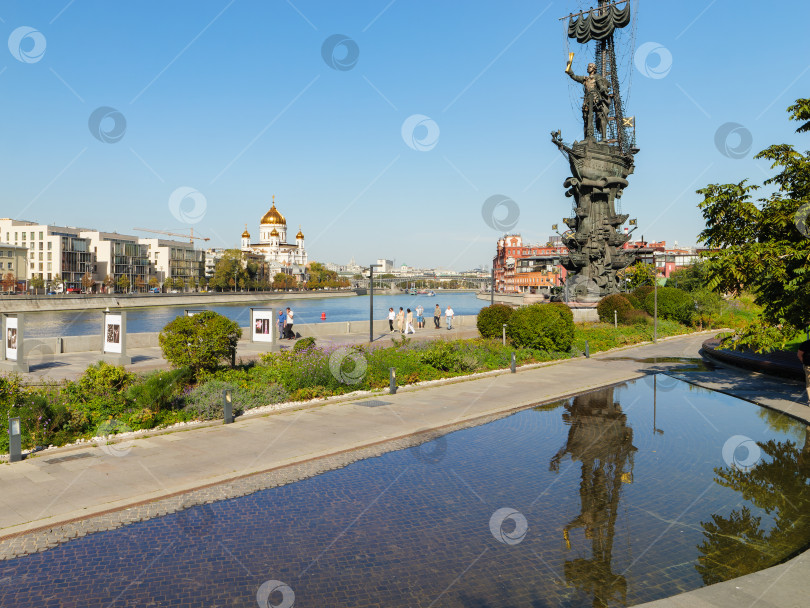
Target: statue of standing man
[596, 102]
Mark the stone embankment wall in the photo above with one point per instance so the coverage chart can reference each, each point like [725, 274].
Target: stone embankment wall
[85, 302]
[83, 344]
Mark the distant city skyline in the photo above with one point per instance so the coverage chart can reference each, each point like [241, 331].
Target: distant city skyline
[417, 129]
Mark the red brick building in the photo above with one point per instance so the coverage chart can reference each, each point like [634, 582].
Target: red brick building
[524, 268]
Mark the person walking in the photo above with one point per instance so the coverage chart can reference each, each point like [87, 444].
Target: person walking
[391, 317]
[282, 321]
[400, 320]
[409, 323]
[289, 324]
[804, 356]
[437, 316]
[448, 314]
[420, 318]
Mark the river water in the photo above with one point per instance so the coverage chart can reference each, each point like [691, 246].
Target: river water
[154, 318]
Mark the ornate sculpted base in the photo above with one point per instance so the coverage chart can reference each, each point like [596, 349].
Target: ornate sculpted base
[594, 242]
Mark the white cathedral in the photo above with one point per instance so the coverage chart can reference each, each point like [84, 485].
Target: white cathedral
[280, 255]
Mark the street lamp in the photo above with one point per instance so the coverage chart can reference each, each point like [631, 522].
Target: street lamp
[371, 301]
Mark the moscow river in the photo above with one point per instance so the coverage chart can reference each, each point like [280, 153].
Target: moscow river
[152, 319]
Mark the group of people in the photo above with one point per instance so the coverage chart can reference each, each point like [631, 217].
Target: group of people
[285, 324]
[404, 319]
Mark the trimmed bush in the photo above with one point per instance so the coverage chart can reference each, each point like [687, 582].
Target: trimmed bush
[640, 294]
[541, 327]
[199, 342]
[674, 304]
[304, 344]
[613, 302]
[565, 310]
[491, 319]
[637, 317]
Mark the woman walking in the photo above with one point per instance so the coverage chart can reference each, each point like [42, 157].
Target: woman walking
[400, 320]
[409, 323]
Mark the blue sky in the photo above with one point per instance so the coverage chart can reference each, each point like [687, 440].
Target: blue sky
[236, 101]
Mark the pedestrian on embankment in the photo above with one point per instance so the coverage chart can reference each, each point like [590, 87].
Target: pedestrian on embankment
[400, 320]
[391, 317]
[409, 323]
[437, 316]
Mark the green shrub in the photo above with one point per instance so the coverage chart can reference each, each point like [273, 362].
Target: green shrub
[640, 294]
[492, 318]
[304, 344]
[565, 310]
[707, 306]
[637, 317]
[205, 401]
[200, 341]
[613, 302]
[541, 327]
[674, 304]
[634, 302]
[446, 356]
[159, 390]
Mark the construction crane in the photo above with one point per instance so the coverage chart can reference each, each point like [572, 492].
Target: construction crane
[190, 237]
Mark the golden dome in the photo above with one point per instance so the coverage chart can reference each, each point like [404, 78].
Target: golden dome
[274, 232]
[273, 216]
[300, 234]
[245, 234]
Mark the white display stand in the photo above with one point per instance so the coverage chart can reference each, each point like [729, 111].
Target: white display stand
[264, 327]
[114, 337]
[13, 351]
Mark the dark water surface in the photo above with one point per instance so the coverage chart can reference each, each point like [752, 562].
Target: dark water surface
[611, 498]
[353, 308]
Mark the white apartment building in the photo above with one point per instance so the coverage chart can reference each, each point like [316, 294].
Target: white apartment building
[176, 260]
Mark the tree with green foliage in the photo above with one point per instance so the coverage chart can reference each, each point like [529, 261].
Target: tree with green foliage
[674, 304]
[690, 278]
[37, 283]
[284, 281]
[200, 341]
[637, 274]
[759, 246]
[123, 283]
[230, 271]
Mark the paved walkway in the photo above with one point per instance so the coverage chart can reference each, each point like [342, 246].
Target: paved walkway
[70, 484]
[47, 367]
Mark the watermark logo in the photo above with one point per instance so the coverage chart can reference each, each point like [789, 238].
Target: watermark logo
[733, 140]
[801, 219]
[420, 132]
[340, 52]
[661, 382]
[106, 431]
[107, 125]
[656, 68]
[27, 44]
[41, 355]
[347, 365]
[508, 216]
[741, 453]
[281, 595]
[432, 451]
[517, 529]
[181, 211]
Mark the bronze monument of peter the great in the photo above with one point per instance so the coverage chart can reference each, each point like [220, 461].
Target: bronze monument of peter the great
[600, 163]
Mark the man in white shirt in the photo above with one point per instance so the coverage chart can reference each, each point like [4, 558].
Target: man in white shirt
[391, 317]
[448, 314]
[289, 325]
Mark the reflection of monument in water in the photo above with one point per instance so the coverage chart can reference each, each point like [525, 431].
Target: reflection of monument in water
[600, 163]
[600, 439]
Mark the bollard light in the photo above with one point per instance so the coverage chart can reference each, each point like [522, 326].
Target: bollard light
[392, 380]
[615, 320]
[227, 405]
[514, 363]
[14, 440]
[504, 334]
[587, 350]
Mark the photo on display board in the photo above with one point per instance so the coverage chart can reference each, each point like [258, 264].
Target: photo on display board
[113, 333]
[11, 338]
[263, 326]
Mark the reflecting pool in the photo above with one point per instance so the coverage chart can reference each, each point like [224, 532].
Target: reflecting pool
[611, 498]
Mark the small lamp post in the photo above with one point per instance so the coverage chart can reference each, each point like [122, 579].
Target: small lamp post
[371, 300]
[14, 440]
[655, 300]
[227, 405]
